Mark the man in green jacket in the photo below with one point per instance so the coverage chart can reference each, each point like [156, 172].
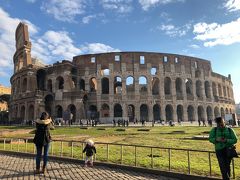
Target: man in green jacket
[223, 137]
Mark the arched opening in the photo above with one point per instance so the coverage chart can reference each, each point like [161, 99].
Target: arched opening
[41, 74]
[31, 113]
[214, 89]
[153, 71]
[72, 110]
[59, 111]
[143, 112]
[222, 112]
[49, 85]
[105, 85]
[169, 113]
[143, 84]
[117, 85]
[199, 89]
[74, 82]
[105, 72]
[49, 104]
[190, 111]
[81, 84]
[22, 113]
[179, 91]
[167, 86]
[24, 85]
[197, 74]
[118, 110]
[219, 90]
[207, 89]
[226, 111]
[189, 87]
[200, 113]
[105, 110]
[93, 84]
[209, 113]
[156, 112]
[155, 86]
[131, 112]
[180, 113]
[130, 84]
[59, 82]
[92, 112]
[216, 112]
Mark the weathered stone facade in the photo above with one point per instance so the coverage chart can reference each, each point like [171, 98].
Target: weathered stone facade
[134, 85]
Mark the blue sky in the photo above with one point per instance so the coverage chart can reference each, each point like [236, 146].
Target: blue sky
[61, 29]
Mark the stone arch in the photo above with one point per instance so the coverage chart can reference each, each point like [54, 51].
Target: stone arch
[200, 113]
[169, 112]
[216, 112]
[143, 112]
[22, 113]
[156, 112]
[189, 87]
[105, 72]
[130, 84]
[167, 86]
[219, 90]
[228, 93]
[24, 85]
[92, 112]
[82, 84]
[49, 104]
[155, 86]
[226, 111]
[118, 111]
[180, 113]
[72, 109]
[209, 113]
[190, 111]
[59, 82]
[207, 89]
[143, 84]
[199, 89]
[224, 91]
[179, 91]
[31, 113]
[59, 111]
[222, 112]
[117, 85]
[41, 75]
[105, 110]
[131, 112]
[214, 89]
[93, 84]
[105, 85]
[197, 73]
[49, 85]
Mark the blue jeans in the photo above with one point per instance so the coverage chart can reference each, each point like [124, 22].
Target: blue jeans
[39, 155]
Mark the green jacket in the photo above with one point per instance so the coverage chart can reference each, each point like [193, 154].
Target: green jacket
[223, 133]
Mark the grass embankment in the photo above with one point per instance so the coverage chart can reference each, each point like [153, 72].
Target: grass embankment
[168, 137]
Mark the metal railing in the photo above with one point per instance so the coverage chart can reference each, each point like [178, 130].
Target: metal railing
[118, 153]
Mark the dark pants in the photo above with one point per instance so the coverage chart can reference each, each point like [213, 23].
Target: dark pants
[39, 155]
[224, 163]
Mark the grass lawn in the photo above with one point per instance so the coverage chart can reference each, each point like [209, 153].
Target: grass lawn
[164, 136]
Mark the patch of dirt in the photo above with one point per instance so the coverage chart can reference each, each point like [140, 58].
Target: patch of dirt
[8, 132]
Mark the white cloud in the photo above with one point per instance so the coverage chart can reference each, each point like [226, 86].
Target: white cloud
[194, 46]
[119, 6]
[87, 19]
[92, 48]
[173, 31]
[7, 37]
[146, 4]
[232, 5]
[218, 34]
[64, 10]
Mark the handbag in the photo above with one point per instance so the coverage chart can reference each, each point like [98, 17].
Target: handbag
[231, 152]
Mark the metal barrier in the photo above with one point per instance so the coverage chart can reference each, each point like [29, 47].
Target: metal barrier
[58, 149]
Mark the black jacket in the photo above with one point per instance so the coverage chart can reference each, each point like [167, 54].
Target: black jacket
[42, 134]
[89, 150]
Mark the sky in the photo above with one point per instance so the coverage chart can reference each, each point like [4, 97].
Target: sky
[61, 29]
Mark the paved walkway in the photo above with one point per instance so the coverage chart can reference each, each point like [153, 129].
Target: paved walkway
[17, 167]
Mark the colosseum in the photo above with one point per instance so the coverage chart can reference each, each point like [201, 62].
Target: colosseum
[133, 85]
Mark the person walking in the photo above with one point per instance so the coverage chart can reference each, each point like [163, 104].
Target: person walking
[223, 137]
[42, 140]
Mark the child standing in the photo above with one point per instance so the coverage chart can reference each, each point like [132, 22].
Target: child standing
[90, 150]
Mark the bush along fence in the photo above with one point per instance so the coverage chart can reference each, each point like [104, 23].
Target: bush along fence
[187, 161]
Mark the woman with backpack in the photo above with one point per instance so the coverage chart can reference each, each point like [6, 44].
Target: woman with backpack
[223, 138]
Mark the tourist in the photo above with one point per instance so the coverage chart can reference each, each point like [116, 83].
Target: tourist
[222, 137]
[42, 140]
[90, 151]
